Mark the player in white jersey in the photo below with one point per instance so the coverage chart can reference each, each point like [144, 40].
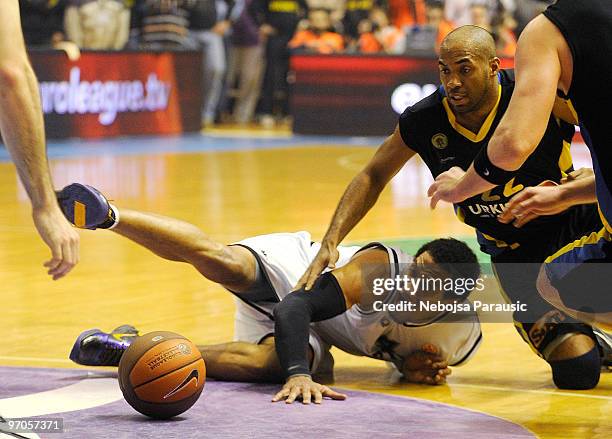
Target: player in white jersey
[261, 272]
[358, 331]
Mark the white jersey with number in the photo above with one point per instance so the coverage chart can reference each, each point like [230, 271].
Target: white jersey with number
[284, 257]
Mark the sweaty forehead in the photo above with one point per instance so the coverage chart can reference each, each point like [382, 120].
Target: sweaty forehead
[458, 55]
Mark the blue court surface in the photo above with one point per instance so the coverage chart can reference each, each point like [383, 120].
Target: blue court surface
[187, 143]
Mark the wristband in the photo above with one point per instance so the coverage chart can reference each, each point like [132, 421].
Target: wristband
[488, 171]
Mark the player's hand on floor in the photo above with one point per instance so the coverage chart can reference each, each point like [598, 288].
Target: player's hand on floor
[326, 258]
[426, 366]
[61, 237]
[304, 388]
[532, 202]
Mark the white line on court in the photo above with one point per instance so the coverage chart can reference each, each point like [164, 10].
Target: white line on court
[26, 435]
[87, 393]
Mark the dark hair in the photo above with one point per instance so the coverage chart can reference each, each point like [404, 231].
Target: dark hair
[453, 256]
[439, 4]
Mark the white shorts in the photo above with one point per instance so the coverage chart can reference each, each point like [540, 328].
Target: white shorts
[252, 326]
[283, 258]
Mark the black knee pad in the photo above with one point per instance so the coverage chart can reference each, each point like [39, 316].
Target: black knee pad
[579, 373]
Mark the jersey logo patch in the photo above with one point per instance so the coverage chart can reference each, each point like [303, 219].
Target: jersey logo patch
[439, 141]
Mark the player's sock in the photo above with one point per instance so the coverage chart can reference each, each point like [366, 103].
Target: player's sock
[112, 220]
[86, 207]
[97, 348]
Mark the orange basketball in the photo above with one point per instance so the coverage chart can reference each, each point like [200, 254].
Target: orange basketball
[162, 374]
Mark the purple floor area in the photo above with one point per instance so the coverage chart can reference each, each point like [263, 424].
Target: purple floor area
[239, 410]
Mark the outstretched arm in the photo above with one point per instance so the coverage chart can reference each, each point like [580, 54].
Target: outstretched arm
[358, 198]
[330, 296]
[538, 74]
[21, 124]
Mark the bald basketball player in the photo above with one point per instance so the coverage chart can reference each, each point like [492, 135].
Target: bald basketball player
[567, 49]
[23, 132]
[448, 130]
[261, 271]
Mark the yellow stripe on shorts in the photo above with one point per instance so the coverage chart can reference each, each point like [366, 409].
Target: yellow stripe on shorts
[591, 239]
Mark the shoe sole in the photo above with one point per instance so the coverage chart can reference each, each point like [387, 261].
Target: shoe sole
[83, 205]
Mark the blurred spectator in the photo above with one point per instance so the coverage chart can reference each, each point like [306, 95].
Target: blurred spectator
[161, 24]
[319, 37]
[277, 20]
[336, 10]
[355, 11]
[42, 21]
[479, 16]
[526, 10]
[407, 12]
[97, 24]
[421, 41]
[378, 35]
[245, 65]
[211, 21]
[505, 38]
[505, 6]
[436, 20]
[367, 42]
[426, 39]
[459, 11]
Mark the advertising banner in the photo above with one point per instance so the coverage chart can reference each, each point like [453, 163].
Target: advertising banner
[105, 94]
[359, 95]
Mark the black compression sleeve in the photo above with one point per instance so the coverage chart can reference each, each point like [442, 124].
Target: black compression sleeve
[292, 318]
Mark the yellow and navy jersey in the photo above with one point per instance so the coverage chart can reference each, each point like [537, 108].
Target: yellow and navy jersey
[283, 15]
[586, 26]
[430, 129]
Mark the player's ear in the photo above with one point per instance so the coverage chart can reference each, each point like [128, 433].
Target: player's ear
[494, 65]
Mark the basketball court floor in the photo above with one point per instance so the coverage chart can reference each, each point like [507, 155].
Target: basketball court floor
[235, 186]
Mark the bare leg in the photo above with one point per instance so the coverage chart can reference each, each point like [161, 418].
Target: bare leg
[573, 347]
[176, 240]
[551, 295]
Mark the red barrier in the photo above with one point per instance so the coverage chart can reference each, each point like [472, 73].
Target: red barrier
[105, 94]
